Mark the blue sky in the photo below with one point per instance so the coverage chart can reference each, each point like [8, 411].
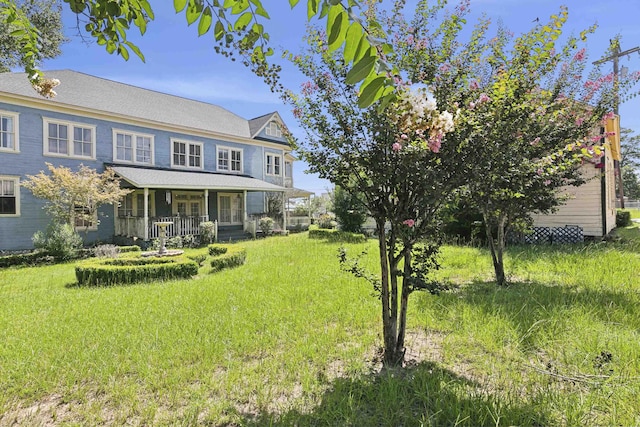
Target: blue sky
[181, 63]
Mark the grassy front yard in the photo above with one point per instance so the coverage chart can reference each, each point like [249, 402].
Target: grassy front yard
[289, 339]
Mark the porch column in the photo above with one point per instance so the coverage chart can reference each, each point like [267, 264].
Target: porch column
[146, 214]
[284, 211]
[244, 206]
[206, 203]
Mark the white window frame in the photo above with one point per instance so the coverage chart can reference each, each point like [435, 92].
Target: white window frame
[70, 141]
[270, 131]
[134, 147]
[16, 132]
[16, 193]
[229, 151]
[93, 225]
[187, 145]
[273, 156]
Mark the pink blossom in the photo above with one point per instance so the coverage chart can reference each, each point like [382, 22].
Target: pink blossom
[474, 85]
[444, 68]
[409, 222]
[483, 98]
[579, 121]
[579, 56]
[396, 147]
[547, 182]
[436, 142]
[609, 115]
[404, 136]
[472, 105]
[539, 171]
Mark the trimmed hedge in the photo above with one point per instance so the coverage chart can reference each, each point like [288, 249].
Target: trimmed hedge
[227, 257]
[215, 250]
[132, 248]
[31, 258]
[133, 270]
[623, 218]
[333, 235]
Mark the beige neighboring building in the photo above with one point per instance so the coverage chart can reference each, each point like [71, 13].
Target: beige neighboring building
[591, 206]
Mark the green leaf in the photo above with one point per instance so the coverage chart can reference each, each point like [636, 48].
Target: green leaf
[363, 48]
[179, 5]
[336, 35]
[135, 50]
[205, 21]
[312, 9]
[355, 32]
[361, 69]
[260, 10]
[218, 31]
[111, 46]
[243, 21]
[124, 52]
[293, 3]
[371, 91]
[147, 8]
[193, 12]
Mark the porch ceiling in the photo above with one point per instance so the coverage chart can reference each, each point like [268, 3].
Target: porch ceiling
[185, 180]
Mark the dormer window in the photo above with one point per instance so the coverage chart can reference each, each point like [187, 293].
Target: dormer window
[273, 129]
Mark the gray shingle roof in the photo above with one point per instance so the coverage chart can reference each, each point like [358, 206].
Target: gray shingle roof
[185, 180]
[83, 90]
[256, 124]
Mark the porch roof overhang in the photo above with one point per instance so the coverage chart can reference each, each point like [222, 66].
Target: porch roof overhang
[189, 180]
[294, 193]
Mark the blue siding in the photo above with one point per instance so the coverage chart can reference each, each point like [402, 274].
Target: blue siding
[16, 232]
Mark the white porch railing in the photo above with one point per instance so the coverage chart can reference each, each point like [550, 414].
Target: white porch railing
[182, 225]
[132, 226]
[294, 222]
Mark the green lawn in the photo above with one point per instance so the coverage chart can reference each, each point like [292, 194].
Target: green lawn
[289, 339]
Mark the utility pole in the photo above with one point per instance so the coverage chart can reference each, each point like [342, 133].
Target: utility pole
[615, 57]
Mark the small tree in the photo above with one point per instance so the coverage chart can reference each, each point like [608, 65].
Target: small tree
[349, 209]
[74, 197]
[398, 159]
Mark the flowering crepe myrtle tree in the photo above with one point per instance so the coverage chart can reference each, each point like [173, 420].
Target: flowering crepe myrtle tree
[75, 196]
[400, 163]
[529, 117]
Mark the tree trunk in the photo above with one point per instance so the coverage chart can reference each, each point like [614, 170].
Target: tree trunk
[404, 304]
[388, 334]
[497, 247]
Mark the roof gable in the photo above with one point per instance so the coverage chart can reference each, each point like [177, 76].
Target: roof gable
[258, 124]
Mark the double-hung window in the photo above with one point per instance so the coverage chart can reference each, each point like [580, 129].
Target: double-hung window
[132, 147]
[66, 139]
[8, 131]
[84, 219]
[9, 196]
[273, 129]
[274, 163]
[229, 160]
[186, 154]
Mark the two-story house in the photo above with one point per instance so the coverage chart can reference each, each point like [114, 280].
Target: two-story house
[186, 161]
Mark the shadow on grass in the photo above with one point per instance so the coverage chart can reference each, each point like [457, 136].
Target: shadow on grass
[424, 394]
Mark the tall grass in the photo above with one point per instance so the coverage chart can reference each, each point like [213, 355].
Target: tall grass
[289, 339]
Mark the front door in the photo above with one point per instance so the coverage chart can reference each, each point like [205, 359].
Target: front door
[230, 209]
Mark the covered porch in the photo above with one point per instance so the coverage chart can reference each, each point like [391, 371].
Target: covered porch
[187, 199]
